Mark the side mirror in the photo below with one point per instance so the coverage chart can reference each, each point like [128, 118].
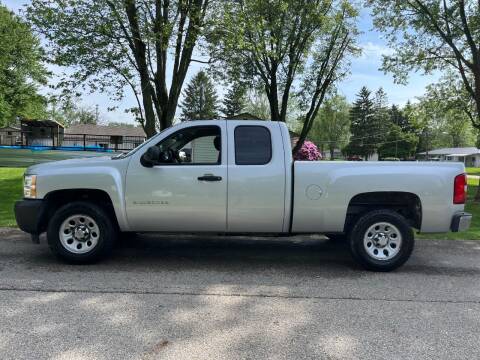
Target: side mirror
[150, 157]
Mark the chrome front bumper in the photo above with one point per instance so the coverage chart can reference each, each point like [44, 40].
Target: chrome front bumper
[461, 222]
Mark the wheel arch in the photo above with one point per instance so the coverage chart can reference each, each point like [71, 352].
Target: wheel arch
[406, 204]
[57, 198]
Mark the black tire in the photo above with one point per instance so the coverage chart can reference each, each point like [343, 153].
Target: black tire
[104, 243]
[359, 249]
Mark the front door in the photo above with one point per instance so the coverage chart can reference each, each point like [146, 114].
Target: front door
[187, 189]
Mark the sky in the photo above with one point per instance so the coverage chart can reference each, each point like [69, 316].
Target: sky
[364, 71]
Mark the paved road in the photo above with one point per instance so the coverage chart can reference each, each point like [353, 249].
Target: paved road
[200, 298]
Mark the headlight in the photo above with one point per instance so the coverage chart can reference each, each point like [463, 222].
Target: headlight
[30, 186]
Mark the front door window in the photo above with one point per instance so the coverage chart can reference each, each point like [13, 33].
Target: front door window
[197, 145]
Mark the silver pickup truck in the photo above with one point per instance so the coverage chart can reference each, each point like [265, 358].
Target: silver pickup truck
[238, 177]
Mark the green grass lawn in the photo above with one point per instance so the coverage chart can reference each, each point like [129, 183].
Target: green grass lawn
[11, 188]
[473, 171]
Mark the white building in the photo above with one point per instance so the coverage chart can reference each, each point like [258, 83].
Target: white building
[470, 156]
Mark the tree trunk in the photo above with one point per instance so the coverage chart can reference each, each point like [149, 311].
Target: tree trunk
[139, 50]
[150, 118]
[272, 94]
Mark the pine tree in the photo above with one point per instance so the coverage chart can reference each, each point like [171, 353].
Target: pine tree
[382, 113]
[381, 99]
[400, 118]
[234, 101]
[364, 126]
[200, 102]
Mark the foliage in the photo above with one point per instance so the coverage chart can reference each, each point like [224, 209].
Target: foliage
[399, 118]
[439, 117]
[433, 35]
[21, 70]
[235, 99]
[364, 126]
[257, 104]
[112, 44]
[398, 144]
[377, 128]
[286, 43]
[200, 102]
[119, 123]
[308, 152]
[332, 126]
[69, 112]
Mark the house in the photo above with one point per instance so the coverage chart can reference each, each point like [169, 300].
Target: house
[118, 137]
[470, 156]
[10, 136]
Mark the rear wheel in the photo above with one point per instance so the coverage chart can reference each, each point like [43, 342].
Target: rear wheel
[381, 240]
[81, 232]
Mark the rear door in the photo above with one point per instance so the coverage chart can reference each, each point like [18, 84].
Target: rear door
[256, 177]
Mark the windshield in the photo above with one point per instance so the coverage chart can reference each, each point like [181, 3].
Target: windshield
[131, 152]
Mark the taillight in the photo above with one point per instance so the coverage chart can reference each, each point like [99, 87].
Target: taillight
[460, 189]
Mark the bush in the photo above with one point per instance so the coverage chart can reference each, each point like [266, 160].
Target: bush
[308, 152]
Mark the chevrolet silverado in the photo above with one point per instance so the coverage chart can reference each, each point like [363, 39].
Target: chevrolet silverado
[238, 177]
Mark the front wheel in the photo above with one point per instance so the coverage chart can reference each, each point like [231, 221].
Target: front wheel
[81, 232]
[381, 240]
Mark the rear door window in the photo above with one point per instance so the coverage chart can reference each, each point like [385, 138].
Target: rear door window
[253, 145]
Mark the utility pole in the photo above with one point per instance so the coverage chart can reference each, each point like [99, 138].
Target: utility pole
[427, 141]
[96, 114]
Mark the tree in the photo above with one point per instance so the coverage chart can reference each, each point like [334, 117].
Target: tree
[68, 112]
[113, 44]
[21, 70]
[364, 127]
[441, 119]
[282, 43]
[382, 116]
[234, 101]
[433, 35]
[397, 117]
[120, 124]
[200, 101]
[257, 104]
[398, 144]
[332, 126]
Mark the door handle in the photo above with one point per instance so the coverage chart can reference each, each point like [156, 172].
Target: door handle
[209, 177]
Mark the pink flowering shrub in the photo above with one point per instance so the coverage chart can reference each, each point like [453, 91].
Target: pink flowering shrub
[308, 152]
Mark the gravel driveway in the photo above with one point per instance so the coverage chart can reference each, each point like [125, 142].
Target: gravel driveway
[170, 297]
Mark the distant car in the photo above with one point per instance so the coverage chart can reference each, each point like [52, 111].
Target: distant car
[240, 178]
[390, 159]
[354, 158]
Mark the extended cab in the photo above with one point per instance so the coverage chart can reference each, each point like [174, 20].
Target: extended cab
[231, 177]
